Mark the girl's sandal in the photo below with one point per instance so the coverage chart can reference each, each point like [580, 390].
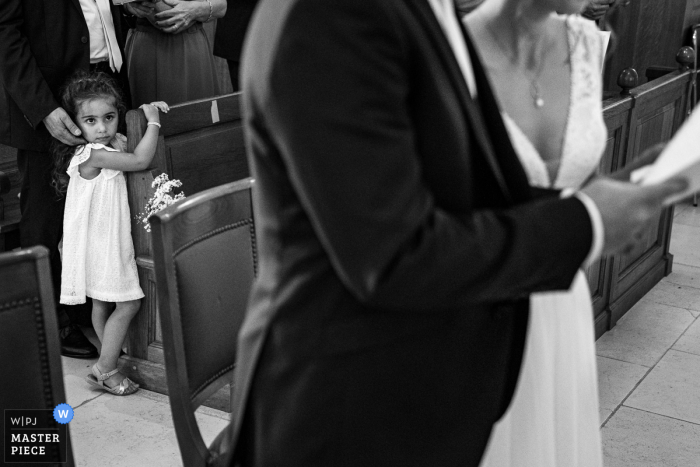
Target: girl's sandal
[97, 378]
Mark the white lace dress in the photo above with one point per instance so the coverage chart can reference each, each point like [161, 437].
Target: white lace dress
[553, 419]
[98, 253]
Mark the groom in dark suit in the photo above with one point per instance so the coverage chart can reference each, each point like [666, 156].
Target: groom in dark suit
[398, 240]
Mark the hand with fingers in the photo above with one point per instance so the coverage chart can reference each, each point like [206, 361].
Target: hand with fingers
[180, 15]
[63, 128]
[627, 209]
[151, 111]
[140, 9]
[597, 8]
[647, 157]
[160, 105]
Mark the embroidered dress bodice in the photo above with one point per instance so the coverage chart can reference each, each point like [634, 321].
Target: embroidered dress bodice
[585, 132]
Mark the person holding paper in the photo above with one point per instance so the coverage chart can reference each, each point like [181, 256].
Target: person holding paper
[42, 43]
[398, 237]
[545, 68]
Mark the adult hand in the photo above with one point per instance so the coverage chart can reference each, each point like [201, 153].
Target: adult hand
[597, 8]
[62, 127]
[179, 17]
[648, 157]
[142, 9]
[627, 209]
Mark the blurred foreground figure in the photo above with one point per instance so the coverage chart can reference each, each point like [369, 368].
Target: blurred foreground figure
[398, 240]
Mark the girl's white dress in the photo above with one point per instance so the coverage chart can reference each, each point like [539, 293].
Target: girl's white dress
[98, 253]
[553, 418]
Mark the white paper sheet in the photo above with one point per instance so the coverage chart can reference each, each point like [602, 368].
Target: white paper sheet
[604, 42]
[680, 158]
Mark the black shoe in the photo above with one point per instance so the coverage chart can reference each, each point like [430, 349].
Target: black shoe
[74, 343]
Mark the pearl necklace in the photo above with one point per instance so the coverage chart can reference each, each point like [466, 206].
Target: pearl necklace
[535, 91]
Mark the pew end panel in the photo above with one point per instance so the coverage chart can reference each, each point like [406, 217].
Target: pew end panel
[658, 109]
[201, 144]
[616, 113]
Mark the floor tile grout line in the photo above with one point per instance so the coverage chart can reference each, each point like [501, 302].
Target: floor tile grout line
[685, 264]
[687, 353]
[662, 415]
[614, 411]
[87, 401]
[623, 361]
[669, 281]
[647, 374]
[650, 300]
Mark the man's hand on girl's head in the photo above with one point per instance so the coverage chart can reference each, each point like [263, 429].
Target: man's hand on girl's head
[62, 127]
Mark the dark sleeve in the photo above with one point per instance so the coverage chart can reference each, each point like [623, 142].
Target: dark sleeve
[340, 111]
[19, 72]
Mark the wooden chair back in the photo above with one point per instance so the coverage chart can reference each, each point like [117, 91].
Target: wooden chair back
[30, 354]
[205, 261]
[201, 144]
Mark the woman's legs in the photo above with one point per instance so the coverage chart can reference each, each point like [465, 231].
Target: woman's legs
[112, 333]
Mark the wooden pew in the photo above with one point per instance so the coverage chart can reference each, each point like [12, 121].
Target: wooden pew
[200, 143]
[9, 203]
[645, 115]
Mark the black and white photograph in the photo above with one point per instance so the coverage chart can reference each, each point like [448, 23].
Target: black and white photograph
[320, 233]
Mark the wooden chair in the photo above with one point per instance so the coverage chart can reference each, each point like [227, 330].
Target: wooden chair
[30, 355]
[200, 143]
[205, 260]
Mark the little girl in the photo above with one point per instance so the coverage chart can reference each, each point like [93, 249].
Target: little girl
[98, 253]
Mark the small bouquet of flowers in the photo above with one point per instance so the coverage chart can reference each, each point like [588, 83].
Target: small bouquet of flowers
[161, 199]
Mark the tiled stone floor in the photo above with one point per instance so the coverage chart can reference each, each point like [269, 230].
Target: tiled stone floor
[136, 430]
[648, 366]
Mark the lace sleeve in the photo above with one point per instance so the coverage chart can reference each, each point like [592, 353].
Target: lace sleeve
[591, 40]
[82, 153]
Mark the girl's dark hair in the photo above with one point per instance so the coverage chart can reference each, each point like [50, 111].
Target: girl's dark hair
[81, 87]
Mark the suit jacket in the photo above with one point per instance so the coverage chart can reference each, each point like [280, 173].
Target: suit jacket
[398, 242]
[42, 42]
[231, 29]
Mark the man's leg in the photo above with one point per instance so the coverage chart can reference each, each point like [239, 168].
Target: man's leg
[42, 224]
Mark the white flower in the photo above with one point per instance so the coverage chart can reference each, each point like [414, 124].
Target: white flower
[161, 199]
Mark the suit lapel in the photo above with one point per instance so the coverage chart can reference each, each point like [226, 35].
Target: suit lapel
[426, 16]
[492, 123]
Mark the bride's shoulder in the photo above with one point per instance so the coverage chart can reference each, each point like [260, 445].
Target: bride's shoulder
[584, 37]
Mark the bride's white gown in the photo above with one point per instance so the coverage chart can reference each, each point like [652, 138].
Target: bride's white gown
[553, 419]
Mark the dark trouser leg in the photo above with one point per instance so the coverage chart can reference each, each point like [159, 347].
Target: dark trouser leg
[233, 68]
[42, 214]
[42, 224]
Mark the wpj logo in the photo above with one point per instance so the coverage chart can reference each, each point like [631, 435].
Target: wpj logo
[36, 436]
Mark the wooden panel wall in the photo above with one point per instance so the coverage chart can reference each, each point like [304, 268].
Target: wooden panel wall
[648, 33]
